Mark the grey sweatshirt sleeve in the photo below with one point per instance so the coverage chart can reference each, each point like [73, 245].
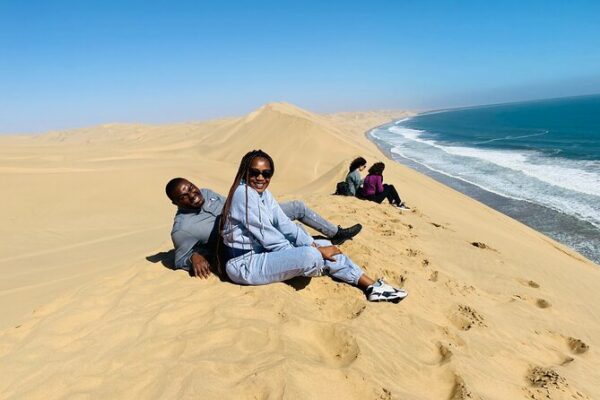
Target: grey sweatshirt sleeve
[296, 235]
[184, 244]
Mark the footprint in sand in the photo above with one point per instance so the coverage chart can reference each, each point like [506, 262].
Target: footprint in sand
[385, 230]
[542, 303]
[545, 377]
[460, 391]
[529, 283]
[395, 277]
[342, 346]
[332, 345]
[466, 317]
[412, 252]
[355, 309]
[385, 394]
[445, 353]
[546, 383]
[455, 287]
[433, 277]
[577, 346]
[539, 302]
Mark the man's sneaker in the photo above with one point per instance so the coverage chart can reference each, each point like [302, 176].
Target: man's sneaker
[344, 234]
[381, 291]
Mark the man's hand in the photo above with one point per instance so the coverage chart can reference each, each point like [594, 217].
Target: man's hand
[328, 252]
[200, 266]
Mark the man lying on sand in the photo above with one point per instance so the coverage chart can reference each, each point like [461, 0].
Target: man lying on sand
[195, 228]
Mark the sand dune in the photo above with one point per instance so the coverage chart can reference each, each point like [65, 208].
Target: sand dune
[89, 310]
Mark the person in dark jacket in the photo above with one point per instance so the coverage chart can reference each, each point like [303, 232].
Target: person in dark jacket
[375, 190]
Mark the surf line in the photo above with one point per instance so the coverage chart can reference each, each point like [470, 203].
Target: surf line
[513, 137]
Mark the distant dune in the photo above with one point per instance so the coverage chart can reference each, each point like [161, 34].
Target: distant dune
[90, 309]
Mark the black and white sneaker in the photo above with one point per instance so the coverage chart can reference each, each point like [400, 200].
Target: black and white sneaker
[381, 291]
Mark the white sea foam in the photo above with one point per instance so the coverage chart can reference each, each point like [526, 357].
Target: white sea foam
[569, 186]
[509, 137]
[567, 174]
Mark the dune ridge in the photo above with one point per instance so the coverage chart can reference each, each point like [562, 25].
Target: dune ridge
[495, 311]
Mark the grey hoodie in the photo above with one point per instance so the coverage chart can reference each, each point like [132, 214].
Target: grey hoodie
[259, 224]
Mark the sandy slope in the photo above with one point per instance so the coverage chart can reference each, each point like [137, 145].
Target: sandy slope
[86, 315]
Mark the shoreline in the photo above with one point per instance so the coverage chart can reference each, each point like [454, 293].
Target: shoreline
[542, 219]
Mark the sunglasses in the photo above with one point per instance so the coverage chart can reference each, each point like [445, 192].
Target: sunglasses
[266, 173]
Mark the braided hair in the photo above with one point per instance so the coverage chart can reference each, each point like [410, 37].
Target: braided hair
[240, 176]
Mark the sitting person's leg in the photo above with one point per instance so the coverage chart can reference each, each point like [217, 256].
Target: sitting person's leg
[377, 198]
[297, 210]
[279, 266]
[392, 194]
[346, 270]
[276, 266]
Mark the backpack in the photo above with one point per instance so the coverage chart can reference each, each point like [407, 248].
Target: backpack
[343, 189]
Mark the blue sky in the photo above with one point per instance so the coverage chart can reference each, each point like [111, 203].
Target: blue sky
[68, 64]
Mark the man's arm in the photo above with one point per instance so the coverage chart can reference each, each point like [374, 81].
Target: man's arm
[292, 232]
[191, 255]
[185, 245]
[200, 265]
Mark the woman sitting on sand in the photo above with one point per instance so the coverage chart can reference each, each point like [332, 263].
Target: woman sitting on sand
[262, 245]
[375, 190]
[353, 179]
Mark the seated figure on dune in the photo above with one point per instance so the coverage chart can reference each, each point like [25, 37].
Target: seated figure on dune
[195, 229]
[353, 178]
[375, 190]
[262, 245]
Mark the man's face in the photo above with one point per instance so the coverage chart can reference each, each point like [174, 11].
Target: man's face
[187, 195]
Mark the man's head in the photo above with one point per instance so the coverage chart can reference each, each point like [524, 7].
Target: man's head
[184, 194]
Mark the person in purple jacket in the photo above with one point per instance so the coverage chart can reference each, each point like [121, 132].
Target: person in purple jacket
[375, 190]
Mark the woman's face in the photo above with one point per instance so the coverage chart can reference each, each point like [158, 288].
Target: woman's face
[362, 167]
[259, 174]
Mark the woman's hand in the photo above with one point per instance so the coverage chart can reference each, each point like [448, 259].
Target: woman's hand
[328, 252]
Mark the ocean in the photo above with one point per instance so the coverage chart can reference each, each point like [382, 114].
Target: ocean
[536, 161]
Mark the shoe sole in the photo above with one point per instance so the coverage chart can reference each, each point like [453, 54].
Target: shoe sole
[394, 300]
[388, 300]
